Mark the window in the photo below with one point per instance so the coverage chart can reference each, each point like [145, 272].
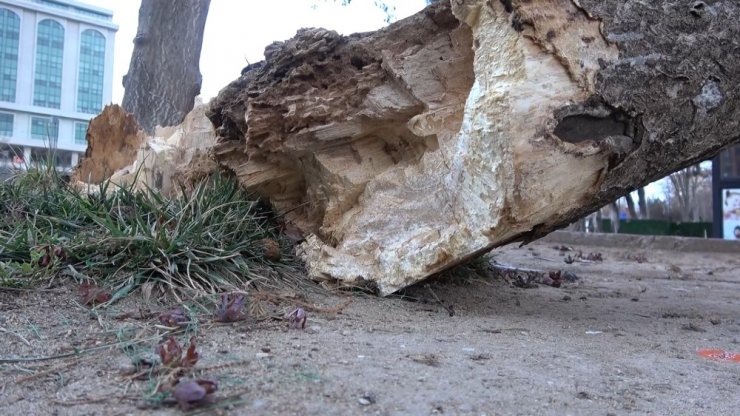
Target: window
[80, 10]
[730, 162]
[60, 159]
[47, 83]
[91, 72]
[10, 30]
[44, 129]
[80, 133]
[6, 125]
[10, 154]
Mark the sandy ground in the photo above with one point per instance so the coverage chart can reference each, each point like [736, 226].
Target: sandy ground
[621, 340]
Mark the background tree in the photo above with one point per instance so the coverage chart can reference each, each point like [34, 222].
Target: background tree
[684, 187]
[164, 75]
[631, 206]
[642, 204]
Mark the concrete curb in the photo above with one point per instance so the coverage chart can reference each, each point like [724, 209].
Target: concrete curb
[646, 242]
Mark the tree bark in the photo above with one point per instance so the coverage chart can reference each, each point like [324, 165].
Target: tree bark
[475, 124]
[631, 206]
[164, 75]
[403, 152]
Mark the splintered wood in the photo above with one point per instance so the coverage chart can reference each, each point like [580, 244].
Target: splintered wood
[403, 152]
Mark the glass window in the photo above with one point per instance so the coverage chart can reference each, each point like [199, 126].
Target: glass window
[47, 83]
[80, 10]
[6, 125]
[10, 154]
[91, 72]
[80, 132]
[44, 129]
[730, 162]
[10, 30]
[43, 156]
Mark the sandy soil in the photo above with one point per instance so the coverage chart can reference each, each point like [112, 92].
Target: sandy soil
[621, 340]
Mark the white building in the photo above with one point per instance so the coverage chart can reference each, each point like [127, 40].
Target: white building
[56, 73]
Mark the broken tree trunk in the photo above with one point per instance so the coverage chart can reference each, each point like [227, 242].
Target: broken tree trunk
[473, 124]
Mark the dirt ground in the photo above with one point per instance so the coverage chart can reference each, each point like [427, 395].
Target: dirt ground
[622, 339]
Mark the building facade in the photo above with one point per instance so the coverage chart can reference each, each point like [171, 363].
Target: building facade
[56, 73]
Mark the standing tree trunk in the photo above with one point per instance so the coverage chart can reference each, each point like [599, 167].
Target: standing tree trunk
[631, 206]
[642, 203]
[164, 75]
[614, 216]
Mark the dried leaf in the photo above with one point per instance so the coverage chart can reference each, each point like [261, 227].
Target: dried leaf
[170, 353]
[91, 294]
[59, 253]
[191, 356]
[174, 318]
[296, 319]
[189, 393]
[554, 279]
[231, 308]
[595, 256]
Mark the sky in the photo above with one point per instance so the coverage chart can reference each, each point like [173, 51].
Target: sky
[237, 31]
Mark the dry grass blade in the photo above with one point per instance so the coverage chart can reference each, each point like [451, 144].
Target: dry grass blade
[16, 334]
[211, 240]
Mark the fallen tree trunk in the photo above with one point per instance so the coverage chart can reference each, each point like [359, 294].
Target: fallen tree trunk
[473, 124]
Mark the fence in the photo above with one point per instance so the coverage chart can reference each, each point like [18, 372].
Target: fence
[659, 227]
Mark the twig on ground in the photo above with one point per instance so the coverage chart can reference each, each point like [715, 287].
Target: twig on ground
[16, 334]
[79, 352]
[267, 296]
[77, 402]
[45, 373]
[30, 289]
[449, 309]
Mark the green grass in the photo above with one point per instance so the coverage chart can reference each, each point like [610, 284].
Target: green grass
[207, 241]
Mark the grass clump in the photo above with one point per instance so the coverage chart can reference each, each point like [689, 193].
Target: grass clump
[210, 239]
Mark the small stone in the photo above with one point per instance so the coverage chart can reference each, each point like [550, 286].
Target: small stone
[583, 395]
[366, 399]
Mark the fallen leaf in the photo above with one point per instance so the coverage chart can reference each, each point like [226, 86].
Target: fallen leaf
[174, 318]
[297, 318]
[170, 353]
[231, 308]
[189, 393]
[91, 294]
[191, 356]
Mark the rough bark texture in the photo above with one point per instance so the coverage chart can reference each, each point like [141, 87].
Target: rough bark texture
[472, 124]
[164, 75]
